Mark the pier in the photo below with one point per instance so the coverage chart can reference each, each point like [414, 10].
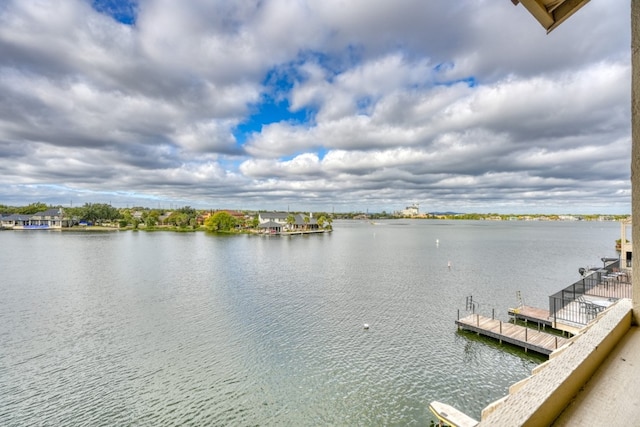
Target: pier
[570, 310]
[520, 336]
[536, 315]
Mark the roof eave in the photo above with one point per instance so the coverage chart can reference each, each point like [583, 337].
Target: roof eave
[554, 15]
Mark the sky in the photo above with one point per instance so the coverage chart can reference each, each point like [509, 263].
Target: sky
[332, 105]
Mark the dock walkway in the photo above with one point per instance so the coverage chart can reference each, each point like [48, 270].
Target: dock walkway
[531, 314]
[526, 338]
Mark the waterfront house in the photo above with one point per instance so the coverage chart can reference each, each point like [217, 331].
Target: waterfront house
[277, 221]
[276, 217]
[271, 227]
[14, 220]
[51, 219]
[304, 222]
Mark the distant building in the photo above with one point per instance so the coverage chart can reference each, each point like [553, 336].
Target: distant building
[412, 210]
[162, 218]
[275, 217]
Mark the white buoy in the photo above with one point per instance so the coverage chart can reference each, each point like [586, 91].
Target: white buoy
[449, 265]
[366, 326]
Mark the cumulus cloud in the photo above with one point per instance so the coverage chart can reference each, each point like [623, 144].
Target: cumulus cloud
[457, 105]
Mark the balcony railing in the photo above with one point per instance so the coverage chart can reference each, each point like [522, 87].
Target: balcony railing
[581, 302]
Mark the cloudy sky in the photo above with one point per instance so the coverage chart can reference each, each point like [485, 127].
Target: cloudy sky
[355, 105]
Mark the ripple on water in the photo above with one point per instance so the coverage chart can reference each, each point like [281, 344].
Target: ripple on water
[163, 329]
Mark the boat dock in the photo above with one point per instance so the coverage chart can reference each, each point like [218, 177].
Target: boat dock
[531, 314]
[542, 317]
[520, 336]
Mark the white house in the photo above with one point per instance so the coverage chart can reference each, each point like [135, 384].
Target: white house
[45, 220]
[277, 221]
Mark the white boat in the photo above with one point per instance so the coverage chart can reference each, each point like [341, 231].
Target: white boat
[450, 416]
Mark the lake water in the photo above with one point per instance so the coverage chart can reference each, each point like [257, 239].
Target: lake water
[135, 328]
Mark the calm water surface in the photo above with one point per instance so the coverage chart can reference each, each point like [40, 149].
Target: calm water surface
[126, 328]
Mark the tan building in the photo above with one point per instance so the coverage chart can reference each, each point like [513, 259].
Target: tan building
[626, 245]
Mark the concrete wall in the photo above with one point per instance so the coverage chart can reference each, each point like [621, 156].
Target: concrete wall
[539, 399]
[635, 154]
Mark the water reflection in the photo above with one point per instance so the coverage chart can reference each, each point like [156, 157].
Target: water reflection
[169, 328]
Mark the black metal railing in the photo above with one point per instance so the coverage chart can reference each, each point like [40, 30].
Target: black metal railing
[607, 284]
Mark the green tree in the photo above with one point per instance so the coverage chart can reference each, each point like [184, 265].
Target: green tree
[220, 221]
[291, 220]
[183, 217]
[150, 218]
[98, 212]
[127, 218]
[179, 219]
[188, 210]
[73, 213]
[6, 209]
[321, 220]
[33, 208]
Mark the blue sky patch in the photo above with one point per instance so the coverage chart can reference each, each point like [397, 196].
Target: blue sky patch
[443, 66]
[275, 106]
[448, 66]
[365, 105]
[322, 152]
[123, 11]
[470, 82]
[271, 111]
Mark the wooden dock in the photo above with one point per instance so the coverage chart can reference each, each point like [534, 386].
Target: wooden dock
[536, 315]
[526, 338]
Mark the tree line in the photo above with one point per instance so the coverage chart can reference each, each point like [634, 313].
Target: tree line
[185, 218]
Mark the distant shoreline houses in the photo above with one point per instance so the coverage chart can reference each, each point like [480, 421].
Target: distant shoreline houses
[279, 222]
[267, 222]
[263, 222]
[51, 219]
